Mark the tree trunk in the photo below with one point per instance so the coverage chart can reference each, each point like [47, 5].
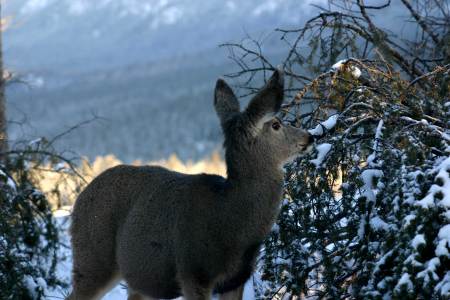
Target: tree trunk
[3, 127]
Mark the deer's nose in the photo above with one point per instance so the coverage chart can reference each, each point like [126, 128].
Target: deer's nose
[310, 139]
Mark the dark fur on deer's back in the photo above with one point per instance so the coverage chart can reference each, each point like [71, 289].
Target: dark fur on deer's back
[168, 233]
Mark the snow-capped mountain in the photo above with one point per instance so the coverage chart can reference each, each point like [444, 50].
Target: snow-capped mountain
[90, 34]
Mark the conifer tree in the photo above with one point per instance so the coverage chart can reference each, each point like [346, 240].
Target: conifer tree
[366, 215]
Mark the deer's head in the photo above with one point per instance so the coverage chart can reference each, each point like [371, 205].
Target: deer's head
[255, 136]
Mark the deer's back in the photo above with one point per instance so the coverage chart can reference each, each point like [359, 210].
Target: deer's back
[105, 203]
[157, 195]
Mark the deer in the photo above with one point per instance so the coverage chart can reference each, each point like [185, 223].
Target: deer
[168, 234]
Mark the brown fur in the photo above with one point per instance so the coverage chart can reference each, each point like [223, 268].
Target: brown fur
[169, 234]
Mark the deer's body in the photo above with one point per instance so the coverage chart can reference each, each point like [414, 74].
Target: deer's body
[169, 234]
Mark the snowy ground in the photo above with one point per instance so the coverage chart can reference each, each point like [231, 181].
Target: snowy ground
[64, 268]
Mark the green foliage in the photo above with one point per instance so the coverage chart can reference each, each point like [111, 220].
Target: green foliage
[366, 221]
[28, 234]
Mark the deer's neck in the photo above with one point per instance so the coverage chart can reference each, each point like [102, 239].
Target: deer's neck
[256, 192]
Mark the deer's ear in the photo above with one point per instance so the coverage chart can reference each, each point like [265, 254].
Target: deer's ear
[225, 102]
[268, 100]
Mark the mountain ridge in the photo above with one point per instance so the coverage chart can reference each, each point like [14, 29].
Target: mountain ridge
[152, 85]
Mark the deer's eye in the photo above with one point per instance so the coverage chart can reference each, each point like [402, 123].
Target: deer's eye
[276, 125]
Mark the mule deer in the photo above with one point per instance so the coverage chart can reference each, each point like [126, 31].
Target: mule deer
[169, 234]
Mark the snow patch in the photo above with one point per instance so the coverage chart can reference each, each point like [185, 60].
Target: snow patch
[440, 190]
[78, 7]
[418, 240]
[444, 241]
[378, 224]
[34, 286]
[33, 6]
[378, 136]
[444, 285]
[9, 181]
[429, 273]
[63, 212]
[322, 152]
[231, 5]
[355, 71]
[404, 280]
[41, 283]
[362, 229]
[171, 15]
[266, 7]
[35, 142]
[368, 177]
[327, 124]
[338, 65]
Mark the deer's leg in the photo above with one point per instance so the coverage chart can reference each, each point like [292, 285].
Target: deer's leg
[136, 296]
[236, 294]
[193, 290]
[91, 278]
[92, 286]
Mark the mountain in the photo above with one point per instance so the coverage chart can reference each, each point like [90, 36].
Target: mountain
[91, 34]
[147, 67]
